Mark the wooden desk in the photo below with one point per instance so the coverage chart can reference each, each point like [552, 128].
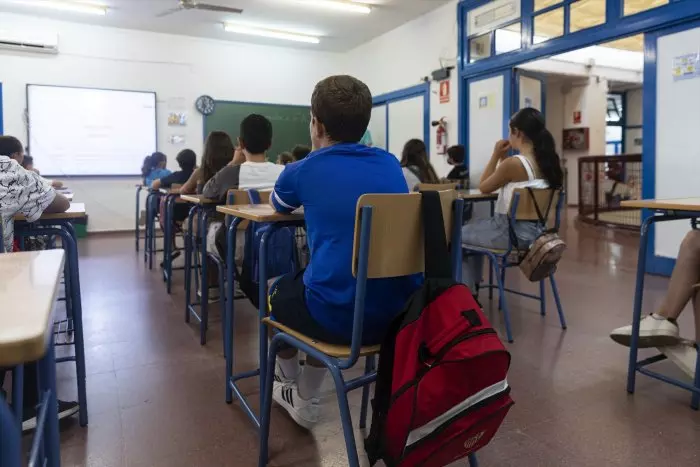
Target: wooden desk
[260, 213]
[677, 204]
[476, 195]
[28, 287]
[199, 199]
[75, 211]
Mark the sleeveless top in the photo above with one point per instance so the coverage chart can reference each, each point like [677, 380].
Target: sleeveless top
[505, 193]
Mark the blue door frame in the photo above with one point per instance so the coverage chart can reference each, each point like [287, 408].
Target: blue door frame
[655, 264]
[403, 94]
[615, 27]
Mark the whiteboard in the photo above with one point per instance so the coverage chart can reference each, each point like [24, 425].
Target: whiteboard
[81, 131]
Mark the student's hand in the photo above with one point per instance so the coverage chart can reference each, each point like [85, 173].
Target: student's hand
[500, 150]
[238, 156]
[56, 184]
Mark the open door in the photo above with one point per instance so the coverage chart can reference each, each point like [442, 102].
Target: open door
[528, 91]
[489, 109]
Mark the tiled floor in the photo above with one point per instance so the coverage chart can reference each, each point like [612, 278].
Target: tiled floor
[156, 396]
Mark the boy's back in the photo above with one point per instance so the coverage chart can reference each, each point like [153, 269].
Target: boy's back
[328, 184]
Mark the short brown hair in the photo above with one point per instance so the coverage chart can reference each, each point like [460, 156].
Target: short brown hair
[343, 105]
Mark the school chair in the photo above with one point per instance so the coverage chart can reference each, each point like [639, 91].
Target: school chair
[233, 197]
[388, 226]
[436, 186]
[522, 208]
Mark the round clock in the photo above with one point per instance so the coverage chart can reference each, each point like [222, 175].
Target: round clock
[205, 105]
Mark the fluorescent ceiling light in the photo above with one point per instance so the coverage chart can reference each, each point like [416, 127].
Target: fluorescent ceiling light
[350, 7]
[89, 8]
[271, 33]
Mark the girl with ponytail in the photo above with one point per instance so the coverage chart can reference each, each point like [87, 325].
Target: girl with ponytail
[536, 166]
[153, 168]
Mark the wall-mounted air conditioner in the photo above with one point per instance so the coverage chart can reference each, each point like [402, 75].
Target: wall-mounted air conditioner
[29, 41]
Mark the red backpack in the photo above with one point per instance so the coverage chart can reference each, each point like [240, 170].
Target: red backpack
[441, 390]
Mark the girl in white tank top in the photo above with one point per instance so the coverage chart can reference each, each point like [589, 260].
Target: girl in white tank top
[537, 166]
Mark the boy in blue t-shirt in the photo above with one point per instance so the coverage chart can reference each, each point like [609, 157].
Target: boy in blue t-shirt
[319, 302]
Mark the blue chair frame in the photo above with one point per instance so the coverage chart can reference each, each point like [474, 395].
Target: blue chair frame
[337, 365]
[138, 216]
[168, 235]
[152, 213]
[499, 261]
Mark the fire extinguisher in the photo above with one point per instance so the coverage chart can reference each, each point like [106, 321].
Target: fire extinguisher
[441, 135]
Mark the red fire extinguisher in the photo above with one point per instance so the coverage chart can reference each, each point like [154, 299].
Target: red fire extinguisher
[441, 135]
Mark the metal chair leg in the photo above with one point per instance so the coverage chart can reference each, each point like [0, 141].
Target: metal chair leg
[266, 403]
[345, 417]
[560, 310]
[543, 300]
[473, 462]
[369, 368]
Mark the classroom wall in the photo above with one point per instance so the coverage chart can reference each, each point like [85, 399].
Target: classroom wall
[402, 57]
[178, 68]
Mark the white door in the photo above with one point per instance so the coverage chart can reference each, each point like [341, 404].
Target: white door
[406, 121]
[672, 150]
[529, 89]
[377, 126]
[489, 111]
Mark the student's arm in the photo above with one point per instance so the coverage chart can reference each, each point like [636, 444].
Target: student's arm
[286, 197]
[39, 197]
[190, 186]
[509, 170]
[157, 184]
[224, 180]
[59, 204]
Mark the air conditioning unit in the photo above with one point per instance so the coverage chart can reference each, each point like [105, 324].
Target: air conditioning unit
[29, 41]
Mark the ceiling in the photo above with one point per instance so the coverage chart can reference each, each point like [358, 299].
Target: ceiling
[341, 31]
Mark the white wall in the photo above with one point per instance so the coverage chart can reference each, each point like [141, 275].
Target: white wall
[402, 57]
[178, 68]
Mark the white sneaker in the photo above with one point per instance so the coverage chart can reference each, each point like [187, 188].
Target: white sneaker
[279, 376]
[654, 331]
[304, 412]
[684, 355]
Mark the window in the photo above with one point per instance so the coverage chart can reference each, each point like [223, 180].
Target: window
[615, 121]
[632, 7]
[586, 14]
[508, 38]
[615, 110]
[549, 25]
[542, 4]
[479, 47]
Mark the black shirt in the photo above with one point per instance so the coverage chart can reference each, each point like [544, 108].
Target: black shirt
[175, 178]
[459, 172]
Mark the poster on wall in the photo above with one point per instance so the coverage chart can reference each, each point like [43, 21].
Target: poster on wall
[686, 66]
[177, 119]
[444, 92]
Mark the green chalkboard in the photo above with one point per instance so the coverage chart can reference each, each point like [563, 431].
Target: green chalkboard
[290, 123]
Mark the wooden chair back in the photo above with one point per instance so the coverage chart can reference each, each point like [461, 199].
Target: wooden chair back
[396, 237]
[526, 210]
[238, 197]
[265, 196]
[436, 186]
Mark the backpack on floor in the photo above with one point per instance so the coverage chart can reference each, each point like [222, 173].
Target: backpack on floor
[441, 391]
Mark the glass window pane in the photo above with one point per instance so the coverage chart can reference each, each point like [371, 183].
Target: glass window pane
[549, 25]
[615, 110]
[637, 6]
[508, 38]
[613, 134]
[586, 14]
[479, 47]
[610, 150]
[540, 4]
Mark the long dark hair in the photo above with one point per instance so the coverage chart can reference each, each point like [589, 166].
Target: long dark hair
[218, 152]
[531, 123]
[415, 155]
[151, 162]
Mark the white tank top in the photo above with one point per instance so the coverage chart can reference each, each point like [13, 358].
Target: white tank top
[505, 194]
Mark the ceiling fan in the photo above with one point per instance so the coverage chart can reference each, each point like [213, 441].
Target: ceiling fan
[195, 5]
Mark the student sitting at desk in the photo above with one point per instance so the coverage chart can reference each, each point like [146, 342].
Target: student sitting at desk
[537, 166]
[416, 166]
[300, 152]
[28, 164]
[23, 191]
[661, 329]
[459, 172]
[319, 301]
[218, 151]
[187, 160]
[153, 168]
[249, 169]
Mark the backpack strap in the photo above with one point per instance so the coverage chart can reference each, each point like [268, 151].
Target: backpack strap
[437, 256]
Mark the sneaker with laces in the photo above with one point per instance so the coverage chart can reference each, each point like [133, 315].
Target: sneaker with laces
[306, 413]
[654, 331]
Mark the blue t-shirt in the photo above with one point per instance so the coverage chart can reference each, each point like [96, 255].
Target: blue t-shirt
[328, 184]
[156, 174]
